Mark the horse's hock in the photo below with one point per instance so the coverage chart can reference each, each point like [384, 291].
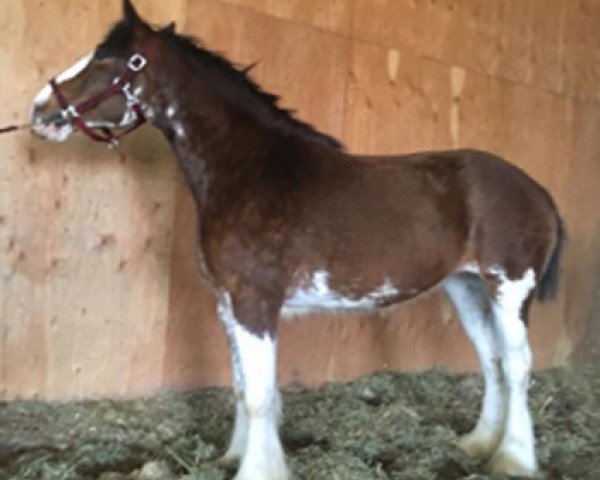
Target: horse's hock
[99, 286]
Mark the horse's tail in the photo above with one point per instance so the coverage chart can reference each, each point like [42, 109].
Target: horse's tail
[550, 276]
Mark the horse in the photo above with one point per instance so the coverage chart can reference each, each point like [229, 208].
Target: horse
[289, 223]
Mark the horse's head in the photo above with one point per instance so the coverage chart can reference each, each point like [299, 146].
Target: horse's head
[102, 91]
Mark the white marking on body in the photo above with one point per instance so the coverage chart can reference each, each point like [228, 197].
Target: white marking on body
[318, 296]
[171, 111]
[179, 130]
[516, 452]
[263, 456]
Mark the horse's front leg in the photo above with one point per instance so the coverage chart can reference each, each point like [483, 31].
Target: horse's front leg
[254, 353]
[239, 437]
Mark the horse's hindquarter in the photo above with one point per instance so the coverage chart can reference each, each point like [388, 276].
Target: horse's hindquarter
[515, 220]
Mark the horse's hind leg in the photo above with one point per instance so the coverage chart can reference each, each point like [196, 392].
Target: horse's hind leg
[515, 454]
[473, 304]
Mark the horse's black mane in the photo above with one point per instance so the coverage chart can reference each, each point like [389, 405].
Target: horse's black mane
[195, 52]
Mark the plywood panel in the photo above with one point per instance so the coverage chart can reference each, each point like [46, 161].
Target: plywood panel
[548, 44]
[581, 60]
[397, 102]
[333, 15]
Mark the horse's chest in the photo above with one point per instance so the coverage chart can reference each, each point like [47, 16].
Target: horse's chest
[317, 295]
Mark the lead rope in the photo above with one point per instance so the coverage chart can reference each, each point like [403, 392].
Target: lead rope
[14, 128]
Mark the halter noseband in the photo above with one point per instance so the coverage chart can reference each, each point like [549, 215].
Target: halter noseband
[120, 86]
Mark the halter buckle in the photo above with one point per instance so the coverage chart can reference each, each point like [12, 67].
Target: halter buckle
[69, 113]
[130, 97]
[137, 62]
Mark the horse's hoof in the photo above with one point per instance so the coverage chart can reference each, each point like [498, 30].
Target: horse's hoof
[476, 446]
[507, 464]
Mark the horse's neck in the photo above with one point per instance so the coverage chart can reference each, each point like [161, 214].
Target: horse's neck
[214, 143]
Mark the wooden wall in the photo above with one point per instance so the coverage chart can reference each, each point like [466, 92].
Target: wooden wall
[99, 293]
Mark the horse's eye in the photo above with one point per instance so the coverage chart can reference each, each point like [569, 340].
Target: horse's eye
[101, 53]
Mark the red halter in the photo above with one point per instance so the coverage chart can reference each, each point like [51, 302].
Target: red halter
[120, 86]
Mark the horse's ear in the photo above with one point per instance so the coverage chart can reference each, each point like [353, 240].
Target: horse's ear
[130, 13]
[133, 19]
[170, 27]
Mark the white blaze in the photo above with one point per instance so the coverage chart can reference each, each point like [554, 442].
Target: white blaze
[45, 93]
[75, 69]
[55, 133]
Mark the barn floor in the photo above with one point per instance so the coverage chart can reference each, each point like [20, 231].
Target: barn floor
[385, 426]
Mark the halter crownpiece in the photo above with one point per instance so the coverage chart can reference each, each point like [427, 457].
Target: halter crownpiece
[120, 86]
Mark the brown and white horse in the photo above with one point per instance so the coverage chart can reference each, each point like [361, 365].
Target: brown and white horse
[289, 223]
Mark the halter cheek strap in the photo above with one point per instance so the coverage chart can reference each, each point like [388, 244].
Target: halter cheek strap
[120, 86]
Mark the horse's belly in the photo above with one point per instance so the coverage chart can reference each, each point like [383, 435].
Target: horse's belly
[318, 296]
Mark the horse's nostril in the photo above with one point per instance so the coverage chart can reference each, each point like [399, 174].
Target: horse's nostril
[36, 117]
[56, 118]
